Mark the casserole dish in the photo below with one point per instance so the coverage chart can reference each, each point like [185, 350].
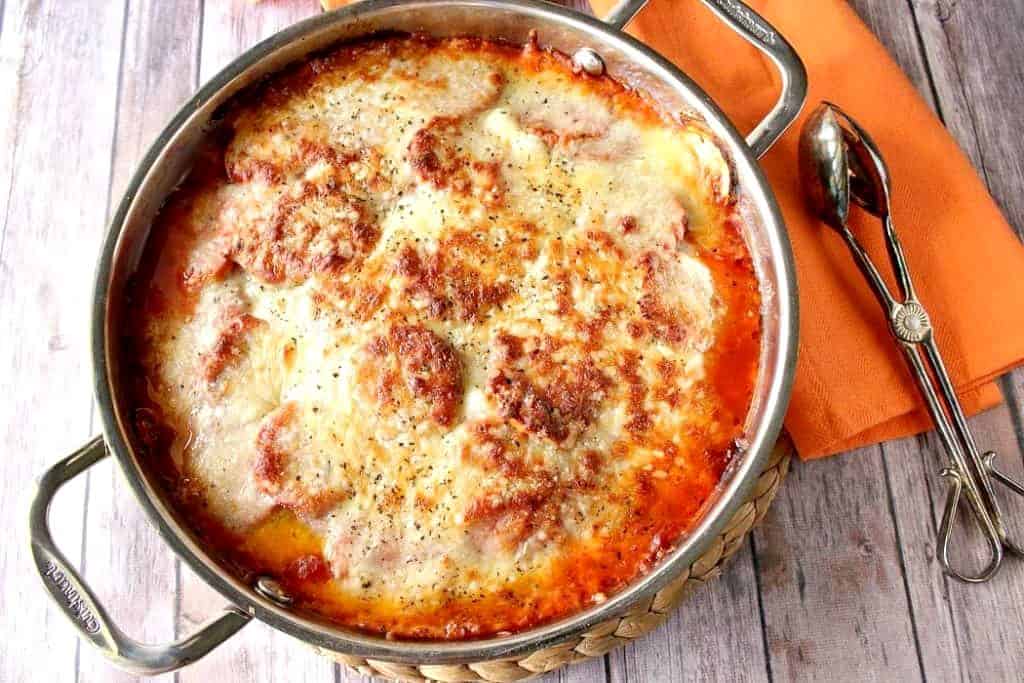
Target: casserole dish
[595, 47]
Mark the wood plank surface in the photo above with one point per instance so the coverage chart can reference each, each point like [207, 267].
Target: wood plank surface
[55, 172]
[831, 580]
[979, 93]
[909, 467]
[128, 563]
[939, 608]
[717, 629]
[987, 619]
[973, 51]
[840, 583]
[230, 27]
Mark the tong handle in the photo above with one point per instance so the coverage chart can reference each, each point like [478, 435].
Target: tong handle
[966, 474]
[870, 272]
[898, 260]
[995, 474]
[995, 535]
[963, 431]
[956, 486]
[983, 465]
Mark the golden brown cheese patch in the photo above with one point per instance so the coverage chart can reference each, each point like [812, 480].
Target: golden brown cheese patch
[411, 360]
[446, 337]
[557, 401]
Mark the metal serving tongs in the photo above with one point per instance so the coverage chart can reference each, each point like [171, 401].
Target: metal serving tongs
[839, 161]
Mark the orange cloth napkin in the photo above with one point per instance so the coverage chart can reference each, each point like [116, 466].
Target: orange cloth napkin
[852, 387]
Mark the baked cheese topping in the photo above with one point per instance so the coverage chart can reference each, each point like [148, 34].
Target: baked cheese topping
[449, 339]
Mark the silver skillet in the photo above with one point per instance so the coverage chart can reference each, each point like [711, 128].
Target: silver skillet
[596, 46]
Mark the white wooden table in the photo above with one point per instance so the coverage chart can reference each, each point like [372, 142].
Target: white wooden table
[839, 583]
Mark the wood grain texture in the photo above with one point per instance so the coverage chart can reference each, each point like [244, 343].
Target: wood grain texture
[717, 629]
[912, 477]
[978, 92]
[230, 27]
[841, 581]
[841, 624]
[965, 630]
[127, 560]
[973, 52]
[909, 467]
[831, 582]
[55, 172]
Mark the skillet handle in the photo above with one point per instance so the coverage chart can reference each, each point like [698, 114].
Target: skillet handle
[80, 606]
[758, 32]
[623, 13]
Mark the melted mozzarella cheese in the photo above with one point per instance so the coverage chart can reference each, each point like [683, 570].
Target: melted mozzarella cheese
[458, 315]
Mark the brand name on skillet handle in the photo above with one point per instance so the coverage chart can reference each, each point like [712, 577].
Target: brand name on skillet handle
[748, 20]
[78, 605]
